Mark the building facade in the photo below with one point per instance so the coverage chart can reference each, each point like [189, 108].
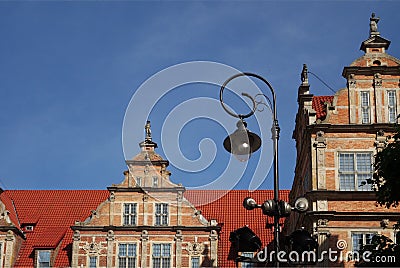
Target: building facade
[336, 140]
[149, 221]
[144, 221]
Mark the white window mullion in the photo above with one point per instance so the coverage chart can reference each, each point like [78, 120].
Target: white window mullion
[354, 170]
[127, 255]
[129, 214]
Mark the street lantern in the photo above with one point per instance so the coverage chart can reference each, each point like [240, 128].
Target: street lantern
[242, 143]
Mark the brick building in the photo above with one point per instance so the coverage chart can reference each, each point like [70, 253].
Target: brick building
[148, 221]
[145, 221]
[336, 139]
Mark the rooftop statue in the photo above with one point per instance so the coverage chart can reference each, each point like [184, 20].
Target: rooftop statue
[373, 24]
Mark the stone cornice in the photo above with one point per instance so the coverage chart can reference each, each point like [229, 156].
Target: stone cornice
[353, 215]
[350, 128]
[331, 195]
[141, 228]
[148, 162]
[146, 189]
[14, 229]
[387, 70]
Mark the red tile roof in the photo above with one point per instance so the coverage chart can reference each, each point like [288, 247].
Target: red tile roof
[318, 104]
[52, 212]
[229, 211]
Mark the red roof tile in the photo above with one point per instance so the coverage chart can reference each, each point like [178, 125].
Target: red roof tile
[318, 104]
[228, 210]
[53, 212]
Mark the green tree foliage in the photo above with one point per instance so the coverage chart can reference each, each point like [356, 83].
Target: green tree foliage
[386, 178]
[382, 252]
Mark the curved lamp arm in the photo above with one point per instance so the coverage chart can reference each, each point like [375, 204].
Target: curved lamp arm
[221, 92]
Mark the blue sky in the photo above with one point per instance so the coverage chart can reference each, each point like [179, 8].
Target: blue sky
[68, 70]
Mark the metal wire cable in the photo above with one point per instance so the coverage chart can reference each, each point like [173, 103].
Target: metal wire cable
[322, 81]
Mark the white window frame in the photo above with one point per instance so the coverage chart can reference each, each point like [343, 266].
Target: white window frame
[38, 251]
[131, 215]
[162, 244]
[139, 181]
[89, 259]
[365, 110]
[247, 264]
[356, 172]
[364, 238]
[161, 215]
[191, 261]
[155, 181]
[392, 107]
[127, 257]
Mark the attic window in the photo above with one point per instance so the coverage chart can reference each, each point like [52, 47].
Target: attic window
[43, 258]
[375, 50]
[376, 63]
[155, 181]
[29, 228]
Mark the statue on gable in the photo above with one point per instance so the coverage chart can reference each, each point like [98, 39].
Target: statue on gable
[148, 131]
[373, 24]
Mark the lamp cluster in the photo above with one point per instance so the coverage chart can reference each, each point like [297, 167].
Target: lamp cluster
[277, 208]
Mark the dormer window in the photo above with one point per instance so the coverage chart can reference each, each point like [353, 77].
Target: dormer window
[28, 228]
[43, 258]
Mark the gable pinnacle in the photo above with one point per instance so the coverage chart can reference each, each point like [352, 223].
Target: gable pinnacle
[373, 25]
[375, 43]
[147, 144]
[304, 75]
[147, 131]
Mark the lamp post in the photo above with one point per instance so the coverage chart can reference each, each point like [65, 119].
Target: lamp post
[243, 142]
[275, 136]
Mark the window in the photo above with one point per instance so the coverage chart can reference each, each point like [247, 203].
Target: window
[354, 170]
[248, 255]
[365, 117]
[139, 181]
[155, 181]
[360, 239]
[127, 256]
[130, 214]
[392, 106]
[161, 214]
[92, 261]
[195, 262]
[161, 255]
[43, 258]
